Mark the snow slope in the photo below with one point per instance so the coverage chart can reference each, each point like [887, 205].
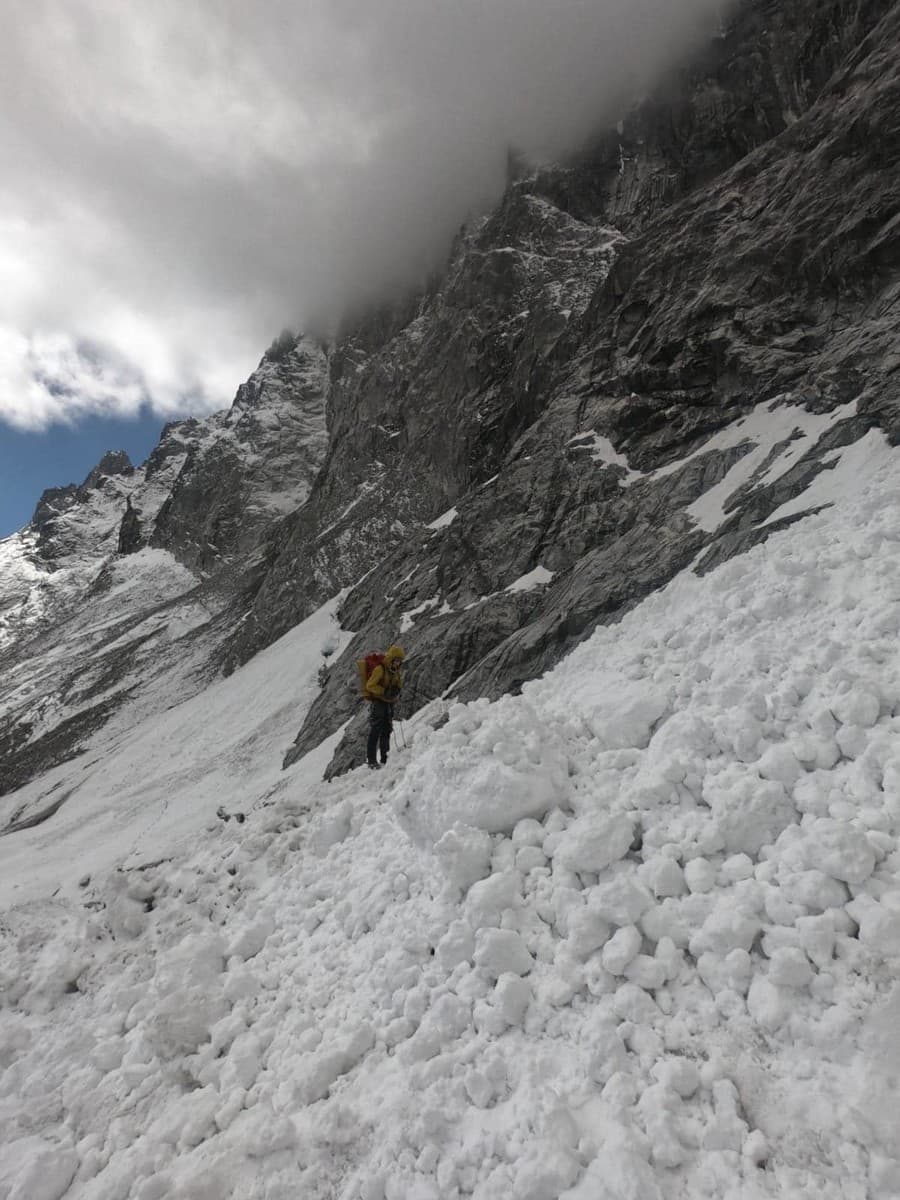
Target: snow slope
[632, 935]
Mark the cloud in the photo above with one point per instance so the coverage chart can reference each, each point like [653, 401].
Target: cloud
[183, 180]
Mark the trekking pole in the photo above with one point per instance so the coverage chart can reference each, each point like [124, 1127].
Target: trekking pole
[402, 734]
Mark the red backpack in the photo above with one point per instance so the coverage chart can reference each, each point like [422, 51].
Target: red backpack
[366, 666]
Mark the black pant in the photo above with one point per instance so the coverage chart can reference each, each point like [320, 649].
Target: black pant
[381, 716]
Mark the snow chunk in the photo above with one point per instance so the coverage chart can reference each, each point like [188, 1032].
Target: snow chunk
[700, 875]
[628, 718]
[835, 848]
[858, 706]
[620, 900]
[502, 951]
[445, 519]
[789, 967]
[533, 579]
[489, 898]
[593, 841]
[621, 948]
[248, 942]
[46, 1175]
[512, 996]
[464, 854]
[749, 812]
[767, 1004]
[486, 775]
[879, 923]
[725, 929]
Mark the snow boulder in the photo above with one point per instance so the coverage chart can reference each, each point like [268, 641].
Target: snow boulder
[836, 848]
[750, 812]
[628, 718]
[488, 768]
[592, 842]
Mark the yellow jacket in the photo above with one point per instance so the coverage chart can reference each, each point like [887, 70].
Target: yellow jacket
[386, 681]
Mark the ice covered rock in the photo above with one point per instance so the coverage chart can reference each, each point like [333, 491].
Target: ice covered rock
[593, 841]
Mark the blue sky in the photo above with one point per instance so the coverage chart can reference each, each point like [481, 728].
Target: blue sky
[30, 462]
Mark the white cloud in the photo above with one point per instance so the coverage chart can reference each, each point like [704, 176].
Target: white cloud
[182, 180]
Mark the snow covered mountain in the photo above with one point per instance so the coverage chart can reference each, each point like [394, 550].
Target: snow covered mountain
[622, 917]
[118, 596]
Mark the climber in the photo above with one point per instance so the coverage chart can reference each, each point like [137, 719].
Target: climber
[382, 690]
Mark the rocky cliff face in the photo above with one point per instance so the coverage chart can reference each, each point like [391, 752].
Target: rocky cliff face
[748, 263]
[645, 359]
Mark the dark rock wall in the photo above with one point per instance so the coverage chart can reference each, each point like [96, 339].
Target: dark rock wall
[759, 203]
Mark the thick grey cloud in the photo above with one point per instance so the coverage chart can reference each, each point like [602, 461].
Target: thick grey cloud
[182, 180]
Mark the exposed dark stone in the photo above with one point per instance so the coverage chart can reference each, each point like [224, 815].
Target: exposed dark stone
[113, 462]
[130, 537]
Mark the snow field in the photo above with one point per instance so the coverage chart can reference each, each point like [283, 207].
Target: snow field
[633, 935]
[141, 790]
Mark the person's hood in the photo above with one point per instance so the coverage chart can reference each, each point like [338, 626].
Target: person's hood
[394, 654]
